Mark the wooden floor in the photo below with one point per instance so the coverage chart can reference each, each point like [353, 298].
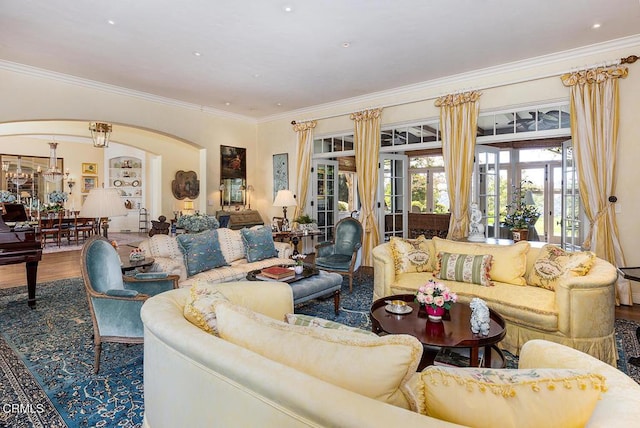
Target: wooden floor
[66, 264]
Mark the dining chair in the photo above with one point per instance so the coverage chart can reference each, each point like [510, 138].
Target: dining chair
[114, 299]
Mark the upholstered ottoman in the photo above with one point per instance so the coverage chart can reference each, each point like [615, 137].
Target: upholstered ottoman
[317, 286]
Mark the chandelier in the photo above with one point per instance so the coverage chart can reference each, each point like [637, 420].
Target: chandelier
[53, 173]
[18, 178]
[100, 133]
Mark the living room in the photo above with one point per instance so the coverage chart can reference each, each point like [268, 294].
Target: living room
[49, 105]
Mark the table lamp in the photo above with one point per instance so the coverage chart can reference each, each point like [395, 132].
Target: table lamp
[284, 199]
[103, 203]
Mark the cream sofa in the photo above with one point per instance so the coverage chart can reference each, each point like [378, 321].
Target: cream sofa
[580, 313]
[169, 258]
[195, 379]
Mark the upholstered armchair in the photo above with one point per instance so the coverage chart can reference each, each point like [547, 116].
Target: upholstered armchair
[344, 254]
[115, 300]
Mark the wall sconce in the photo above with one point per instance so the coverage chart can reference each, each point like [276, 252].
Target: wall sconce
[70, 184]
[188, 206]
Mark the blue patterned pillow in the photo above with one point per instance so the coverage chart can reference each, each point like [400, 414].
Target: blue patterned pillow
[201, 251]
[258, 244]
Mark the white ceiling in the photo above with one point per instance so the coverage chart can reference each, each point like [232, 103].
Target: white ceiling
[258, 60]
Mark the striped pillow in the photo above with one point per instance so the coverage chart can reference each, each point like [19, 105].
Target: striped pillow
[469, 268]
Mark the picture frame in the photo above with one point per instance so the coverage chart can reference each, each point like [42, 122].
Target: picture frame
[233, 163]
[89, 168]
[88, 183]
[280, 172]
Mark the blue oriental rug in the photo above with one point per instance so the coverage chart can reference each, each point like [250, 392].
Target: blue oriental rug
[46, 357]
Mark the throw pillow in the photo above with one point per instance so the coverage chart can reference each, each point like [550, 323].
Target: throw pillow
[258, 244]
[412, 255]
[334, 356]
[465, 268]
[231, 244]
[520, 398]
[509, 261]
[199, 307]
[310, 321]
[201, 251]
[554, 263]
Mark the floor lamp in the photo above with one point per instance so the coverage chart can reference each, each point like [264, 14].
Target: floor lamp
[103, 203]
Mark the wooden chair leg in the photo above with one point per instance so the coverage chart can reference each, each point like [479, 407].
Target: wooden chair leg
[97, 348]
[350, 282]
[336, 301]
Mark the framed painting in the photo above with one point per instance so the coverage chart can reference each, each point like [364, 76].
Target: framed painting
[89, 183]
[89, 168]
[280, 172]
[233, 163]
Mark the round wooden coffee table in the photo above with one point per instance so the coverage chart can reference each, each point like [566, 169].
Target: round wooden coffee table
[454, 331]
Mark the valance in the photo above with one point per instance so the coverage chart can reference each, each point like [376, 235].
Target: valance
[303, 126]
[366, 114]
[456, 99]
[594, 75]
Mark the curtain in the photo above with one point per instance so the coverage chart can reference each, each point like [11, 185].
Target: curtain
[304, 135]
[458, 120]
[366, 145]
[594, 130]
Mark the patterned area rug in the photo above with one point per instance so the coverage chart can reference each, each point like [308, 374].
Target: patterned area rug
[46, 357]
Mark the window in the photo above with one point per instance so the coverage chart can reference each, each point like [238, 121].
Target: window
[428, 185]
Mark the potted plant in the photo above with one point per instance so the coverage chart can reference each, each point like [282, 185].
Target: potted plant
[437, 298]
[521, 212]
[305, 223]
[197, 222]
[299, 266]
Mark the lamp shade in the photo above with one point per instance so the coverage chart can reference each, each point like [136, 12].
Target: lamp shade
[284, 198]
[103, 202]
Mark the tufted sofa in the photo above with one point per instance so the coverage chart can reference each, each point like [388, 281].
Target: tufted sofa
[170, 258]
[579, 313]
[193, 378]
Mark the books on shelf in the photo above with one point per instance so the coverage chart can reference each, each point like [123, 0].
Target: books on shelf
[277, 273]
[456, 357]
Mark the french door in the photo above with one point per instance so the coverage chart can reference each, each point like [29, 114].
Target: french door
[573, 224]
[393, 196]
[485, 188]
[324, 196]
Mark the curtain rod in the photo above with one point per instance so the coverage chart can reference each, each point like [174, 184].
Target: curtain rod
[627, 60]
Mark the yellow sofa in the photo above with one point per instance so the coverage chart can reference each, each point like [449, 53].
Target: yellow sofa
[580, 313]
[193, 378]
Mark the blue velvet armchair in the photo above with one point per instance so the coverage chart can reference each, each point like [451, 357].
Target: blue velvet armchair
[115, 300]
[344, 254]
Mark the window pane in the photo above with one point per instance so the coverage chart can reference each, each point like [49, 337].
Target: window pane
[440, 195]
[348, 142]
[485, 125]
[505, 123]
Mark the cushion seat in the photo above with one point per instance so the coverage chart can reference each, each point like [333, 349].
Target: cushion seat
[334, 261]
[530, 306]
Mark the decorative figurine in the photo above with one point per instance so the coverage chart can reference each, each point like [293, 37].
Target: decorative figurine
[479, 317]
[476, 228]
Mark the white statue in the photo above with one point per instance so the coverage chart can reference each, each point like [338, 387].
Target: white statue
[479, 316]
[476, 228]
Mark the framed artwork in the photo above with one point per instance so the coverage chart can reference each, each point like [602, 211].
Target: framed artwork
[233, 162]
[89, 168]
[280, 172]
[185, 185]
[89, 183]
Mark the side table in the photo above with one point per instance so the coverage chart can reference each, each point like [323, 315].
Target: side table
[128, 265]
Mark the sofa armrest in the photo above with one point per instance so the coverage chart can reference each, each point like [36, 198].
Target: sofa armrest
[586, 304]
[271, 298]
[384, 271]
[622, 398]
[151, 286]
[284, 249]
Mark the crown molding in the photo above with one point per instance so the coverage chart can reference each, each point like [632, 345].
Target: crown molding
[544, 60]
[118, 90]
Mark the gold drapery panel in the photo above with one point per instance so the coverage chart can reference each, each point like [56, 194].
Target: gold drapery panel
[304, 136]
[458, 120]
[366, 146]
[594, 96]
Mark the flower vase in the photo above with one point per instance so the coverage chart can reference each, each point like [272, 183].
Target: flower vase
[298, 269]
[435, 313]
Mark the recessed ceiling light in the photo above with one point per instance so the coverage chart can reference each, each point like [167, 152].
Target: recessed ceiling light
[287, 9]
[346, 44]
[227, 103]
[196, 53]
[256, 75]
[111, 22]
[279, 104]
[596, 26]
